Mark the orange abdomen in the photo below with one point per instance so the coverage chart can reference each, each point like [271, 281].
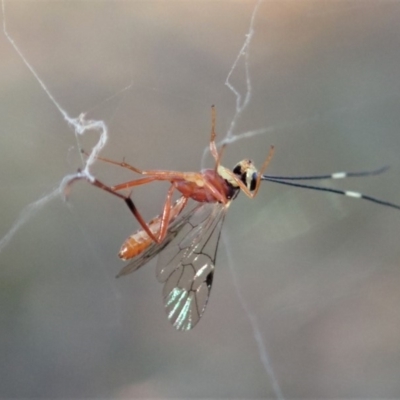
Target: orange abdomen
[134, 245]
[140, 240]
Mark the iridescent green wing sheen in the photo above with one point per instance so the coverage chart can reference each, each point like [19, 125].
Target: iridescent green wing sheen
[186, 266]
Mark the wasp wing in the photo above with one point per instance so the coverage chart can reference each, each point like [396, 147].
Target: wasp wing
[186, 267]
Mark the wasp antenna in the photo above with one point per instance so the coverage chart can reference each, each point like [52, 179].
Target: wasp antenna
[335, 175]
[347, 193]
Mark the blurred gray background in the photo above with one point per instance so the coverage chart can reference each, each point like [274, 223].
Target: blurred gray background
[320, 273]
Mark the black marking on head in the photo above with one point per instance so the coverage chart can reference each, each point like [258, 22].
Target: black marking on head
[238, 170]
[253, 181]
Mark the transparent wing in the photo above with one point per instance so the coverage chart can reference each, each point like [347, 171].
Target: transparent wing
[186, 266]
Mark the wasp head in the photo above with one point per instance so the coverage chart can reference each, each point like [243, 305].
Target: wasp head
[247, 173]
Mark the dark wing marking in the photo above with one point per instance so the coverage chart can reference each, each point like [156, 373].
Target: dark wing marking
[186, 267]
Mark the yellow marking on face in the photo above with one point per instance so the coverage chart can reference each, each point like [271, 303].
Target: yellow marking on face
[222, 172]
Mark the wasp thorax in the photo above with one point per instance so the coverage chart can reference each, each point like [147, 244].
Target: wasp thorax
[247, 173]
